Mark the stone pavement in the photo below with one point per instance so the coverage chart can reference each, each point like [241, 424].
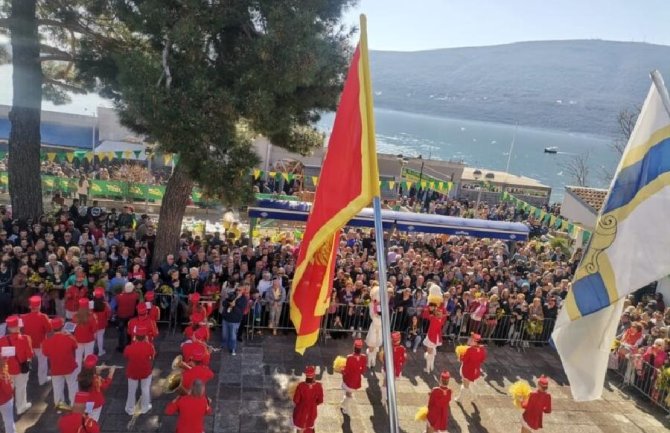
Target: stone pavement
[249, 394]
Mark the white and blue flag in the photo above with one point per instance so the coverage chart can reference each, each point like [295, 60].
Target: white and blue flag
[629, 248]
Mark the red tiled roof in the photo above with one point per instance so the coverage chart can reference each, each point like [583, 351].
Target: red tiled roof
[591, 196]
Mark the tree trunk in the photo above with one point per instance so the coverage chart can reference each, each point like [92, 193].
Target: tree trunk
[173, 207]
[25, 185]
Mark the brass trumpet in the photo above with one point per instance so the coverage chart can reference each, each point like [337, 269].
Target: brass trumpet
[173, 381]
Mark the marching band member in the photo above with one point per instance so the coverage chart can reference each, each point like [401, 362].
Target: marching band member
[538, 403]
[154, 311]
[308, 396]
[438, 406]
[197, 322]
[192, 409]
[196, 307]
[399, 358]
[198, 339]
[351, 376]
[60, 349]
[197, 370]
[436, 317]
[36, 325]
[18, 350]
[6, 397]
[102, 312]
[73, 294]
[84, 332]
[143, 319]
[471, 363]
[140, 355]
[90, 381]
[77, 421]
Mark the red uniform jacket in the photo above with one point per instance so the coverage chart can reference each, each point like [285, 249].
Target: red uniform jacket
[152, 329]
[103, 317]
[60, 350]
[472, 361]
[438, 408]
[125, 305]
[353, 370]
[154, 313]
[435, 326]
[306, 398]
[85, 332]
[202, 372]
[72, 296]
[539, 403]
[100, 386]
[192, 411]
[6, 390]
[188, 349]
[24, 351]
[140, 356]
[36, 325]
[188, 333]
[77, 423]
[399, 358]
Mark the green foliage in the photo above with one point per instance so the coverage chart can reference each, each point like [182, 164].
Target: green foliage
[562, 243]
[201, 79]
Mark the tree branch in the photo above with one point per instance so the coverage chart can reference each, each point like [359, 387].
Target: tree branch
[65, 86]
[56, 58]
[53, 50]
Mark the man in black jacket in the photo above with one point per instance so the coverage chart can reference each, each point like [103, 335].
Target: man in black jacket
[232, 311]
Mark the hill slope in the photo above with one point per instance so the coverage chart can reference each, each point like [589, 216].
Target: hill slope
[575, 86]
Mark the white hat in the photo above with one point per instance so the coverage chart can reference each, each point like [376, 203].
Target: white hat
[129, 287]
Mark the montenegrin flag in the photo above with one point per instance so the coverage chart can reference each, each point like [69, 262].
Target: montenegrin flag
[629, 248]
[348, 181]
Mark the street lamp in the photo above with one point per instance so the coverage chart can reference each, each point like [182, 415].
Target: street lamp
[403, 162]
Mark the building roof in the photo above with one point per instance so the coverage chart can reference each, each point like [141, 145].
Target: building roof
[501, 177]
[592, 197]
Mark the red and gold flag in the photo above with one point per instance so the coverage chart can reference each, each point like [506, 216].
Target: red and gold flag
[348, 181]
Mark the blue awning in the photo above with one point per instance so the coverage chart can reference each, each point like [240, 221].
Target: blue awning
[56, 134]
[403, 221]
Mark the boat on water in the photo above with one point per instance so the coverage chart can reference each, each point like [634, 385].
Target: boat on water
[551, 149]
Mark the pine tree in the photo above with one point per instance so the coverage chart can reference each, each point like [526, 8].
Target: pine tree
[201, 79]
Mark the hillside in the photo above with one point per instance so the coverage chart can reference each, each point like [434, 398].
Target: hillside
[577, 86]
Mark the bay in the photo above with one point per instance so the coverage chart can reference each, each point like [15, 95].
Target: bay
[486, 145]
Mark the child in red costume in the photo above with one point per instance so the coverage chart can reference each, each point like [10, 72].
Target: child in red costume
[308, 396]
[351, 376]
[538, 403]
[471, 363]
[438, 406]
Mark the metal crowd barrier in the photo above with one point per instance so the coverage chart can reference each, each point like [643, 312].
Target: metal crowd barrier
[639, 375]
[354, 320]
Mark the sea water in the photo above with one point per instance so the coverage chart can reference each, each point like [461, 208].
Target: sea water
[487, 145]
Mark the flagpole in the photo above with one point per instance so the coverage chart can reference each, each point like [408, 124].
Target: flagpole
[657, 78]
[379, 241]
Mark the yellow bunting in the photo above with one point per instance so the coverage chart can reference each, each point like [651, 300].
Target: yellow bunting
[391, 184]
[285, 176]
[257, 173]
[273, 174]
[70, 156]
[423, 184]
[315, 180]
[432, 184]
[51, 157]
[409, 184]
[90, 156]
[167, 158]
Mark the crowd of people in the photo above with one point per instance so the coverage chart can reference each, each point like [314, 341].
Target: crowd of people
[90, 267]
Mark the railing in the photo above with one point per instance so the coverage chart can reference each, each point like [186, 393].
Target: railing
[638, 374]
[354, 320]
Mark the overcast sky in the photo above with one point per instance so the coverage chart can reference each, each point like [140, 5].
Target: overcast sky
[409, 25]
